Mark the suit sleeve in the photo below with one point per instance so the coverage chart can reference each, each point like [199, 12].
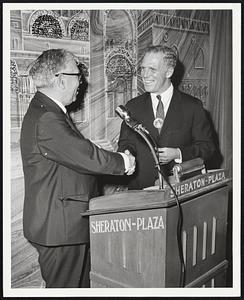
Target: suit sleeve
[57, 141]
[202, 136]
[126, 139]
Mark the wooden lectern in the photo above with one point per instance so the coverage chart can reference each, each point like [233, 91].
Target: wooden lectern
[133, 235]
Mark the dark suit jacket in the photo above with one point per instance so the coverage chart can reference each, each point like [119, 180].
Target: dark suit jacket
[60, 168]
[185, 127]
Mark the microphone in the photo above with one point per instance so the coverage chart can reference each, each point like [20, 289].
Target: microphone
[142, 131]
[126, 116]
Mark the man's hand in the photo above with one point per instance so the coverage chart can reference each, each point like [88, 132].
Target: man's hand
[168, 154]
[132, 162]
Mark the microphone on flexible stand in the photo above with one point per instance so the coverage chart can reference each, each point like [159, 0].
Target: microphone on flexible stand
[125, 115]
[144, 133]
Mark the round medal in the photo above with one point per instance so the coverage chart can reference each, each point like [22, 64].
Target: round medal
[158, 123]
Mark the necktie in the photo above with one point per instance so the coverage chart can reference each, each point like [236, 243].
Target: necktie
[160, 111]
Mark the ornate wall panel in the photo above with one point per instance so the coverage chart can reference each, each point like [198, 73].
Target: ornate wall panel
[120, 38]
[97, 81]
[35, 31]
[16, 30]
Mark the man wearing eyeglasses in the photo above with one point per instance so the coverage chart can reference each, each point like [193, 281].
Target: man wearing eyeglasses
[60, 167]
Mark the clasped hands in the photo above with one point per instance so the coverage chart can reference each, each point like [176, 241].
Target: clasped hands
[165, 156]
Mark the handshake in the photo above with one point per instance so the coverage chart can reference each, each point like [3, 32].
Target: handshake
[130, 163]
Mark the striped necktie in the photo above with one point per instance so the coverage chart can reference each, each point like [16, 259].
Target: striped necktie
[160, 111]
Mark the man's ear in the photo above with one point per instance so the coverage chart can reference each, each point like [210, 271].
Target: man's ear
[169, 72]
[61, 83]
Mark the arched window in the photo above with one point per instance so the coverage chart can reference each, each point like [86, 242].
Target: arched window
[199, 59]
[47, 26]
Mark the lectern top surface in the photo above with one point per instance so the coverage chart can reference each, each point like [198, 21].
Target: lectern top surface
[153, 198]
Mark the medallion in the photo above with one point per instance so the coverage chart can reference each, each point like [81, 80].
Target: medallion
[158, 123]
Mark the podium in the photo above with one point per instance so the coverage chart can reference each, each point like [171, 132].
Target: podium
[133, 235]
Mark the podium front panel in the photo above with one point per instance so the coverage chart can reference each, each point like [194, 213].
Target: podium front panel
[203, 237]
[139, 248]
[123, 248]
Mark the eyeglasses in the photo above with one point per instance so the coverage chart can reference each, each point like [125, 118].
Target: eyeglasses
[71, 74]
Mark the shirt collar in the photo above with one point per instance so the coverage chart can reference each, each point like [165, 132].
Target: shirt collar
[165, 98]
[60, 105]
[166, 94]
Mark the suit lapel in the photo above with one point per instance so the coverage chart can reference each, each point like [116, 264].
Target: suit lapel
[71, 124]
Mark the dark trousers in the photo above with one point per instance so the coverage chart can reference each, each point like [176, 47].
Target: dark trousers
[65, 266]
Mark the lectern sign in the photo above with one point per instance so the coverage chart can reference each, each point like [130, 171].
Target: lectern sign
[197, 183]
[127, 224]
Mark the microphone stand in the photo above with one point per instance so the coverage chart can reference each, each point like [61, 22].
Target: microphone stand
[124, 114]
[147, 139]
[145, 135]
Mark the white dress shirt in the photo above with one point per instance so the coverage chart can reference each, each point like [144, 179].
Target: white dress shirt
[165, 98]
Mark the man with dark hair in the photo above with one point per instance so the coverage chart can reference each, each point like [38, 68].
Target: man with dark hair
[176, 121]
[60, 168]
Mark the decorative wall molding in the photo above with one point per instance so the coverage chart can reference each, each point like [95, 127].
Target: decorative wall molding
[174, 22]
[195, 87]
[14, 88]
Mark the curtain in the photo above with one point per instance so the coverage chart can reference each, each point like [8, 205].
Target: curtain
[220, 84]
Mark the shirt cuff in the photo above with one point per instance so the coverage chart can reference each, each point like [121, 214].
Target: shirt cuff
[179, 160]
[126, 161]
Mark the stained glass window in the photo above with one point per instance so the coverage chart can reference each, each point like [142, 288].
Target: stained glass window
[47, 26]
[118, 66]
[80, 30]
